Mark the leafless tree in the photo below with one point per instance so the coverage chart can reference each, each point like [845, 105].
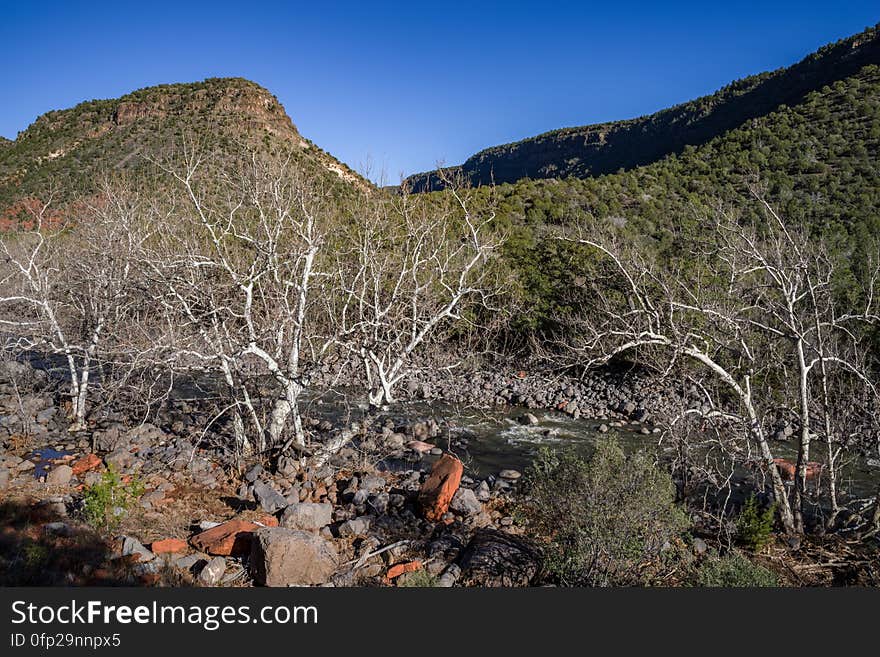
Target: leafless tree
[413, 266]
[70, 281]
[239, 268]
[754, 308]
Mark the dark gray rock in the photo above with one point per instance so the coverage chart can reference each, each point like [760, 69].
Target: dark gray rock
[189, 561]
[450, 576]
[307, 516]
[119, 459]
[58, 529]
[269, 498]
[131, 546]
[379, 502]
[59, 475]
[373, 483]
[108, 439]
[355, 527]
[213, 572]
[253, 474]
[465, 502]
[496, 558]
[528, 419]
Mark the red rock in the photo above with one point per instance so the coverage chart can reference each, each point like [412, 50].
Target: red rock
[399, 569]
[521, 374]
[437, 491]
[788, 470]
[86, 463]
[231, 538]
[267, 521]
[168, 546]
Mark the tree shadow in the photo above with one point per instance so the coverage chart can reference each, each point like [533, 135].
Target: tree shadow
[237, 504]
[41, 547]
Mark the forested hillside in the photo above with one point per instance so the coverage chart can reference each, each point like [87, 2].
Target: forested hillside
[70, 150]
[817, 161]
[608, 147]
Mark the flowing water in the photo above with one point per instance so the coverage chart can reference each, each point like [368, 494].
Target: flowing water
[489, 441]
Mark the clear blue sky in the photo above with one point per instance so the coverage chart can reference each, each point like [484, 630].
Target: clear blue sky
[407, 85]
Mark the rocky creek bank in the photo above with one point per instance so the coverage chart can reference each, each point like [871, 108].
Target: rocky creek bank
[205, 516]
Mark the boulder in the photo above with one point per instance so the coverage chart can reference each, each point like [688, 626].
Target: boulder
[289, 557]
[86, 464]
[58, 529]
[212, 572]
[151, 499]
[231, 538]
[307, 516]
[465, 502]
[108, 440]
[253, 474]
[269, 498]
[145, 434]
[24, 466]
[528, 419]
[119, 459]
[450, 576]
[355, 527]
[440, 487]
[496, 558]
[189, 561]
[59, 475]
[131, 547]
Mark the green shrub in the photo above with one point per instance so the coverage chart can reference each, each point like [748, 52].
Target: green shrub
[602, 518]
[35, 555]
[105, 502]
[754, 527]
[734, 570]
[417, 579]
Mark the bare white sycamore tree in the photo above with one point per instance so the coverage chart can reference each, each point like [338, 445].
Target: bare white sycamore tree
[70, 282]
[239, 272]
[413, 266]
[751, 316]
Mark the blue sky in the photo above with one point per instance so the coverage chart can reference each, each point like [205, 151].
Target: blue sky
[401, 87]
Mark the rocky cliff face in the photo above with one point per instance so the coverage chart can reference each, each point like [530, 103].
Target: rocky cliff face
[229, 98]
